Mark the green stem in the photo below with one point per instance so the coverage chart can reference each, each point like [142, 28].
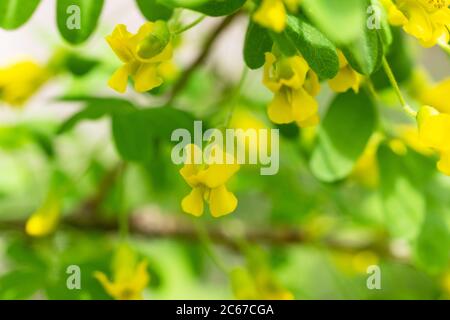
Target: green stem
[206, 241]
[235, 96]
[396, 87]
[190, 25]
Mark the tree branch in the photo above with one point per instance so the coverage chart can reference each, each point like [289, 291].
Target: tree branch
[204, 54]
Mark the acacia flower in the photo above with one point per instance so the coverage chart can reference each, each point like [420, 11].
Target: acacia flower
[45, 220]
[20, 81]
[145, 56]
[436, 95]
[427, 20]
[130, 277]
[272, 14]
[294, 85]
[434, 132]
[346, 78]
[208, 184]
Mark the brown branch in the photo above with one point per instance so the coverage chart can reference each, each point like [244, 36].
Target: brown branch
[151, 224]
[204, 54]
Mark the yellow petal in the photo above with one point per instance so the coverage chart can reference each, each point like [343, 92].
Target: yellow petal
[434, 129]
[310, 122]
[193, 203]
[438, 96]
[280, 109]
[272, 84]
[271, 14]
[141, 278]
[45, 220]
[217, 174]
[221, 202]
[121, 43]
[346, 78]
[444, 163]
[147, 78]
[119, 79]
[304, 106]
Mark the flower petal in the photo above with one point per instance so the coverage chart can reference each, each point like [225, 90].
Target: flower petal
[271, 14]
[222, 202]
[147, 77]
[193, 203]
[280, 109]
[217, 174]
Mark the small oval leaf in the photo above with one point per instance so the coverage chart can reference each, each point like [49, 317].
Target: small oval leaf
[77, 19]
[14, 13]
[257, 43]
[343, 136]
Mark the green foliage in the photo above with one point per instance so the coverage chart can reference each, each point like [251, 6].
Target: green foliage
[14, 14]
[214, 8]
[89, 13]
[349, 123]
[257, 43]
[153, 10]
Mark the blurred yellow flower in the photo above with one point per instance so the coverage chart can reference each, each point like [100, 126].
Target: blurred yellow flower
[355, 263]
[366, 170]
[272, 14]
[20, 81]
[295, 85]
[434, 132]
[245, 120]
[346, 78]
[145, 56]
[45, 220]
[258, 285]
[208, 184]
[130, 277]
[436, 95]
[427, 20]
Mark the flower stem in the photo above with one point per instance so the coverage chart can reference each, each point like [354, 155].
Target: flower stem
[190, 25]
[206, 241]
[235, 96]
[123, 214]
[396, 87]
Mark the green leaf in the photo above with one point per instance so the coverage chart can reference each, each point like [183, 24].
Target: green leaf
[403, 201]
[378, 12]
[79, 65]
[336, 18]
[153, 10]
[343, 136]
[431, 247]
[214, 8]
[135, 132]
[14, 13]
[96, 108]
[317, 50]
[257, 43]
[77, 19]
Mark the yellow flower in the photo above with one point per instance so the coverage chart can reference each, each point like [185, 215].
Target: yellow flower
[366, 169]
[434, 132]
[427, 20]
[257, 285]
[346, 78]
[45, 220]
[295, 85]
[437, 95]
[208, 184]
[272, 14]
[20, 81]
[145, 56]
[130, 277]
